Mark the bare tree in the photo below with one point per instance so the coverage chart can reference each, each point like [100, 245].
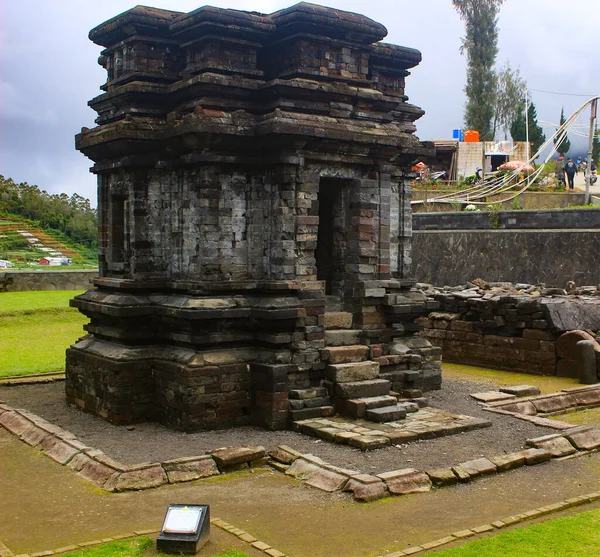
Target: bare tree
[510, 91]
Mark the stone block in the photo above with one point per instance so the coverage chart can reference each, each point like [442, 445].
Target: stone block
[566, 344]
[342, 338]
[523, 407]
[386, 414]
[369, 442]
[60, 451]
[587, 398]
[231, 456]
[302, 469]
[345, 354]
[553, 403]
[355, 371]
[408, 480]
[337, 320]
[442, 476]
[521, 390]
[583, 438]
[536, 456]
[556, 444]
[363, 389]
[14, 422]
[508, 461]
[366, 488]
[190, 468]
[479, 467]
[144, 478]
[492, 396]
[326, 480]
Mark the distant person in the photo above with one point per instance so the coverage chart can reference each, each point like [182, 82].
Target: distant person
[570, 171]
[560, 173]
[479, 174]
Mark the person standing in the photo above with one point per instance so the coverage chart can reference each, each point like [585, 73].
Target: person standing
[570, 170]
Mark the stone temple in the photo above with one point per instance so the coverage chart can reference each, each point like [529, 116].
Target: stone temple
[255, 223]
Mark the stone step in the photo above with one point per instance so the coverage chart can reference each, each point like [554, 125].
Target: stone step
[354, 371]
[310, 413]
[386, 413]
[345, 354]
[304, 394]
[337, 320]
[362, 389]
[343, 337]
[357, 407]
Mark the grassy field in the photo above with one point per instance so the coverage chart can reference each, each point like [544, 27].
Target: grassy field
[35, 330]
[570, 536]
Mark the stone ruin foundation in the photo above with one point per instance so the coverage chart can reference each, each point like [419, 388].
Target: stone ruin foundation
[519, 327]
[254, 243]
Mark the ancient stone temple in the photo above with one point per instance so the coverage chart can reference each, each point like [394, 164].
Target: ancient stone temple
[255, 224]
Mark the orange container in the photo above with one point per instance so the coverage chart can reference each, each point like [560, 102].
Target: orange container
[472, 136]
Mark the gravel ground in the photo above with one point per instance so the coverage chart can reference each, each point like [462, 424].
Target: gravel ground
[152, 442]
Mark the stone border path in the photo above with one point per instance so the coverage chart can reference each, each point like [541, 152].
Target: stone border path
[240, 534]
[498, 524]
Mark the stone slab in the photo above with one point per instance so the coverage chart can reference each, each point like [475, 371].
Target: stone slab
[556, 444]
[326, 480]
[408, 480]
[231, 456]
[442, 477]
[369, 442]
[521, 390]
[188, 469]
[479, 467]
[345, 354]
[554, 403]
[366, 488]
[508, 461]
[146, 478]
[584, 438]
[536, 456]
[492, 396]
[360, 389]
[386, 414]
[354, 371]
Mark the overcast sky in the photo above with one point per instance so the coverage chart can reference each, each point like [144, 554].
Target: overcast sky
[48, 69]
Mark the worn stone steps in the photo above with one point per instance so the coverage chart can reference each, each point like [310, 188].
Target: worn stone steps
[305, 404]
[342, 337]
[356, 408]
[353, 371]
[362, 389]
[386, 413]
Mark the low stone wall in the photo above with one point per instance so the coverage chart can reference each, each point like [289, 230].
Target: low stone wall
[527, 200]
[537, 247]
[21, 281]
[531, 334]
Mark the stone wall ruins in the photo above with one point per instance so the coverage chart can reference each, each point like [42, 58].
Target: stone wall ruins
[515, 327]
[251, 168]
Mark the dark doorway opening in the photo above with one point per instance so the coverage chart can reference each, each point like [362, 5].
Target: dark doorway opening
[330, 254]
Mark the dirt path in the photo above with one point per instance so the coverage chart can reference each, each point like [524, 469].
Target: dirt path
[62, 509]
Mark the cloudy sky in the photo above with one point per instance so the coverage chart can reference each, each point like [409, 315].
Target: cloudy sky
[48, 69]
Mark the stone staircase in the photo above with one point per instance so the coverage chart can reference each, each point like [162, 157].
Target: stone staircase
[353, 386]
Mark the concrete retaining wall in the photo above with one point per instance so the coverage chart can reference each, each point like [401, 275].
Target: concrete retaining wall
[21, 281]
[535, 247]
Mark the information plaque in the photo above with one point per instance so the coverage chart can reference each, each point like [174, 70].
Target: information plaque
[185, 529]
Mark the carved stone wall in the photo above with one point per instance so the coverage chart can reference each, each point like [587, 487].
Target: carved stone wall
[248, 165]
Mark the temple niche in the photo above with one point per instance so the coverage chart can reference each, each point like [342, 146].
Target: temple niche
[255, 223]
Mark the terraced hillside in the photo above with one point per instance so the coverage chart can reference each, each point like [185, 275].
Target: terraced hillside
[21, 243]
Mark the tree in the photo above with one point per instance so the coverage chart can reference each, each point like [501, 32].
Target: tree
[596, 146]
[510, 90]
[563, 146]
[481, 46]
[518, 129]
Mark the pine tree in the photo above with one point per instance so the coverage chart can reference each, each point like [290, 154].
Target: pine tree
[518, 129]
[564, 146]
[481, 46]
[536, 133]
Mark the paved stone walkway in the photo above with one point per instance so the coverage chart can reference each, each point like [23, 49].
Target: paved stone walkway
[45, 506]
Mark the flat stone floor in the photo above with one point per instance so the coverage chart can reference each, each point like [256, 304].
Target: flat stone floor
[45, 506]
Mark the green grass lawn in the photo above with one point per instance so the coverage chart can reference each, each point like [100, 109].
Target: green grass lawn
[569, 536]
[137, 547]
[35, 330]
